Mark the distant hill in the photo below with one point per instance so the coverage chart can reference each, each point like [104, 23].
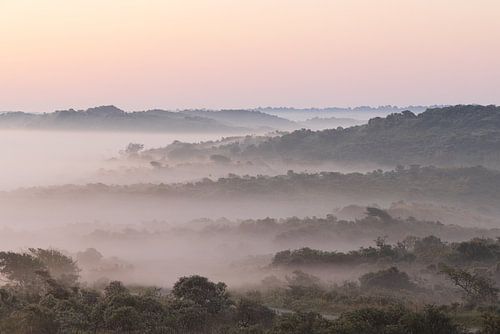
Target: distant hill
[319, 123]
[458, 135]
[245, 118]
[463, 135]
[111, 118]
[363, 113]
[471, 187]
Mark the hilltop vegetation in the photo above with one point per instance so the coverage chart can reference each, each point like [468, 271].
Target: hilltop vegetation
[469, 186]
[448, 136]
[461, 276]
[325, 232]
[459, 135]
[430, 250]
[111, 118]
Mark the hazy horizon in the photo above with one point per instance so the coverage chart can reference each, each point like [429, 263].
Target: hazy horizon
[139, 109]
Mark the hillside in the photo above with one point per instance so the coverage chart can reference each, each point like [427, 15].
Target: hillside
[111, 118]
[248, 118]
[450, 136]
[475, 186]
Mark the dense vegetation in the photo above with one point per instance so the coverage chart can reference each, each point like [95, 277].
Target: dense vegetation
[297, 275]
[463, 277]
[473, 185]
[458, 135]
[325, 232]
[448, 136]
[429, 250]
[42, 295]
[331, 230]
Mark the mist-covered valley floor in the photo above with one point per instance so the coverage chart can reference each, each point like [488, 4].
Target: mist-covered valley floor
[395, 218]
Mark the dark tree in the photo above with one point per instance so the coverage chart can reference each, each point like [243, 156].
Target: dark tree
[212, 296]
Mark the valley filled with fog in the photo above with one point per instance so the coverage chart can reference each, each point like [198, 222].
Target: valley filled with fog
[42, 158]
[249, 167]
[267, 210]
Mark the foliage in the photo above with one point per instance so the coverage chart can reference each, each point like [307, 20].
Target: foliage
[390, 278]
[490, 323]
[461, 135]
[200, 290]
[477, 287]
[61, 267]
[198, 306]
[20, 268]
[31, 319]
[427, 250]
[308, 257]
[249, 313]
[301, 323]
[467, 186]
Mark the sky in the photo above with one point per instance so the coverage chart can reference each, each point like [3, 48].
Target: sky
[176, 54]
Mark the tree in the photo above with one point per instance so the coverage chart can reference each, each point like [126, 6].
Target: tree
[133, 148]
[301, 278]
[370, 321]
[200, 290]
[477, 288]
[429, 249]
[122, 318]
[89, 257]
[189, 316]
[220, 159]
[249, 313]
[115, 288]
[21, 268]
[490, 323]
[32, 319]
[396, 320]
[430, 321]
[379, 213]
[390, 278]
[60, 267]
[124, 311]
[478, 250]
[302, 323]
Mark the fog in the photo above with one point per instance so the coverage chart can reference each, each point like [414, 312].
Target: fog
[40, 158]
[72, 222]
[148, 208]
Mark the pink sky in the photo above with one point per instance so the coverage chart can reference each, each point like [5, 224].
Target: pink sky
[57, 54]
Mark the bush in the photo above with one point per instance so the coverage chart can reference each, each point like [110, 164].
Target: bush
[390, 278]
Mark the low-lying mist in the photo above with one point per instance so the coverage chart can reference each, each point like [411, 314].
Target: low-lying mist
[331, 221]
[38, 158]
[152, 241]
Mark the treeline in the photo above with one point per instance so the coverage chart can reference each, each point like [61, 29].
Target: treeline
[330, 229]
[469, 301]
[469, 266]
[462, 277]
[448, 136]
[326, 232]
[42, 295]
[111, 118]
[456, 135]
[468, 185]
[480, 252]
